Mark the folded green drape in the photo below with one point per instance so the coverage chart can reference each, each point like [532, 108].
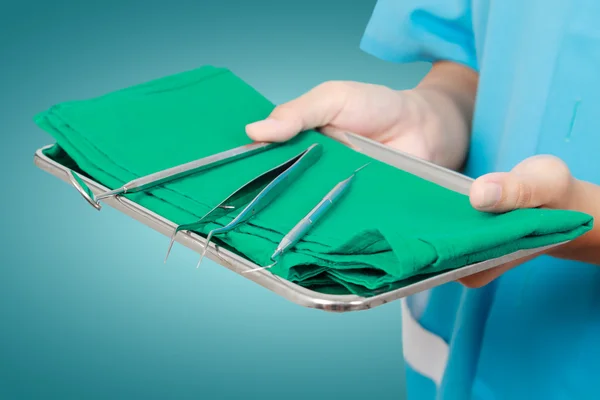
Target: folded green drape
[389, 226]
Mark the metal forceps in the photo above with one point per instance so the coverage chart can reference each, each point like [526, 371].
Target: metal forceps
[170, 174]
[304, 225]
[254, 196]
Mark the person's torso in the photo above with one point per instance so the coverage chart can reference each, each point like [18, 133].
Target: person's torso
[539, 87]
[535, 332]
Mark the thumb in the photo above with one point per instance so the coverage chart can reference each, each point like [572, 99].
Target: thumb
[316, 108]
[537, 181]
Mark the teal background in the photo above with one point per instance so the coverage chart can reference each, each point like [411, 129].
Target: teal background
[87, 308]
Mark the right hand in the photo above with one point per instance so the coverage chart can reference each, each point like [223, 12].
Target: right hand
[413, 121]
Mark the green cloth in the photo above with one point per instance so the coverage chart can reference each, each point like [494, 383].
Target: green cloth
[389, 226]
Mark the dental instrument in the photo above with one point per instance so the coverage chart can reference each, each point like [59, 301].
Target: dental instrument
[170, 174]
[254, 196]
[306, 223]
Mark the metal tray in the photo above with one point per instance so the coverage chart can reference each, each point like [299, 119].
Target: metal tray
[291, 291]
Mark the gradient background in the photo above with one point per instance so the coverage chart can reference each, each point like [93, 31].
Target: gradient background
[87, 308]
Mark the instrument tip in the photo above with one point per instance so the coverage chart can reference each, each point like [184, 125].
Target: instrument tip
[205, 248]
[259, 268]
[201, 258]
[170, 247]
[362, 167]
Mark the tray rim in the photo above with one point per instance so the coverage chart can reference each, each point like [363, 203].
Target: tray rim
[286, 289]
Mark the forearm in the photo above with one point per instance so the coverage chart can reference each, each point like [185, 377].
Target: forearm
[585, 197]
[450, 90]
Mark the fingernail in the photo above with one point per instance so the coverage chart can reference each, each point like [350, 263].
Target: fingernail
[488, 195]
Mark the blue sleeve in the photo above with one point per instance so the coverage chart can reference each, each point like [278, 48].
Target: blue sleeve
[421, 30]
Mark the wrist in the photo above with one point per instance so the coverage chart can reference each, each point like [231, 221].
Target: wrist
[449, 91]
[446, 125]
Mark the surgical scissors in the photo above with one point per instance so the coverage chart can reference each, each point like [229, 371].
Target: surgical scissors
[170, 174]
[254, 196]
[306, 223]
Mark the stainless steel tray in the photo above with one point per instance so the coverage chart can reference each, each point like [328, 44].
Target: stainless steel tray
[284, 288]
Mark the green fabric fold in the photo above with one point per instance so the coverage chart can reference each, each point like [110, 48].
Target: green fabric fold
[389, 227]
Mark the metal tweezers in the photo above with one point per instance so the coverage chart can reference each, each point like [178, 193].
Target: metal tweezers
[254, 196]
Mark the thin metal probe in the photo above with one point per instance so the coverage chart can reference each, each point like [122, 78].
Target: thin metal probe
[306, 223]
[170, 174]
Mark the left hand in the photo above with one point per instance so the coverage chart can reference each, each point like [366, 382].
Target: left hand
[539, 181]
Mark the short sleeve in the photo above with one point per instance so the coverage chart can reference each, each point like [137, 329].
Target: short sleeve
[421, 30]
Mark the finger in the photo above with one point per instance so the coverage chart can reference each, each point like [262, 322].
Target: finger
[537, 181]
[314, 109]
[483, 278]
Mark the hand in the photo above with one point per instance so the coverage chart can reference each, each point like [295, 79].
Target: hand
[539, 181]
[401, 119]
[427, 122]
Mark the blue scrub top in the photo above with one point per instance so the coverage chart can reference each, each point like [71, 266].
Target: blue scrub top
[535, 332]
